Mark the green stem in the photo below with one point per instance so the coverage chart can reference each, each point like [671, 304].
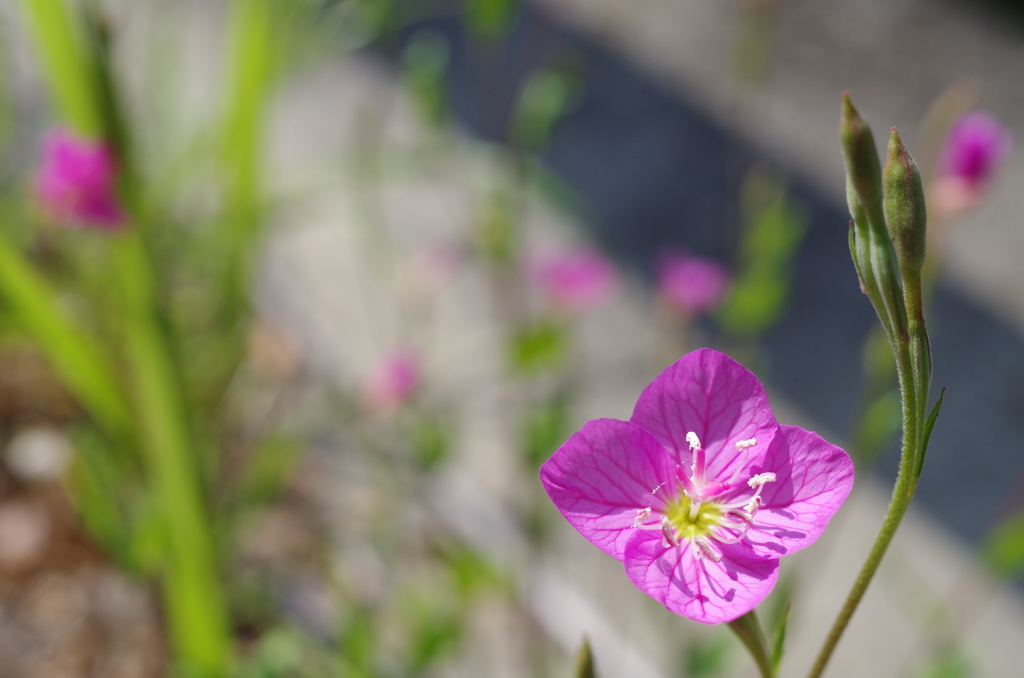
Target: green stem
[902, 493]
[748, 629]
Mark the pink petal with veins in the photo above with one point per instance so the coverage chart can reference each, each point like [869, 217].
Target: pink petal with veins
[701, 589]
[714, 396]
[603, 475]
[813, 479]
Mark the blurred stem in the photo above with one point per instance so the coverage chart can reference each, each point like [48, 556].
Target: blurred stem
[198, 617]
[58, 42]
[748, 629]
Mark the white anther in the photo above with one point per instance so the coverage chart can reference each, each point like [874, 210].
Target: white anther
[641, 515]
[668, 534]
[760, 479]
[693, 440]
[752, 505]
[706, 550]
[745, 444]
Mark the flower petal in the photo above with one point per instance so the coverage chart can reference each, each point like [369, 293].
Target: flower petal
[700, 589]
[813, 478]
[603, 475]
[711, 394]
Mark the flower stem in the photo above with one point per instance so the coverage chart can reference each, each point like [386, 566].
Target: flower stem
[748, 629]
[906, 483]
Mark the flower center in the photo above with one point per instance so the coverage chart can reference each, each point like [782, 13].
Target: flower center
[691, 519]
[698, 515]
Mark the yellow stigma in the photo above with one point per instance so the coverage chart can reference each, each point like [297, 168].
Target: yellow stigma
[688, 527]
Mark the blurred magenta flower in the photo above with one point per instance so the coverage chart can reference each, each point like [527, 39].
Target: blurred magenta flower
[77, 183]
[975, 148]
[577, 280]
[691, 284]
[702, 491]
[394, 382]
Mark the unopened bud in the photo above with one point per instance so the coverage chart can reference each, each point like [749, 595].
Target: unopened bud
[903, 201]
[861, 158]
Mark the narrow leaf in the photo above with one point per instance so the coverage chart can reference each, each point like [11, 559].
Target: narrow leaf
[926, 434]
[780, 641]
[585, 661]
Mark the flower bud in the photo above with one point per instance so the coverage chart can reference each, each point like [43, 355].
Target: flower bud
[873, 253]
[903, 202]
[861, 159]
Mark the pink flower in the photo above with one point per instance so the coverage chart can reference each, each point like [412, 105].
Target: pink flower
[692, 284]
[970, 157]
[702, 491]
[576, 281]
[394, 382]
[77, 183]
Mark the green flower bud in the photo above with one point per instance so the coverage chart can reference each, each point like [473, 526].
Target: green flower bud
[862, 167]
[873, 253]
[903, 202]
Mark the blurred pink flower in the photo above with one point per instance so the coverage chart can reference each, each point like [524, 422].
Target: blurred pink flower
[702, 491]
[578, 280]
[394, 382]
[77, 183]
[692, 284]
[975, 148]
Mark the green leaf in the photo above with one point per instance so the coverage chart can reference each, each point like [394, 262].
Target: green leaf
[879, 423]
[490, 18]
[1004, 547]
[544, 99]
[425, 62]
[545, 429]
[431, 441]
[775, 227]
[707, 658]
[926, 433]
[540, 347]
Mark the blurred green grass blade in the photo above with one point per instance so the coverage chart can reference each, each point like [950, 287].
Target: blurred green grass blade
[779, 646]
[58, 41]
[196, 610]
[75, 357]
[251, 63]
[585, 661]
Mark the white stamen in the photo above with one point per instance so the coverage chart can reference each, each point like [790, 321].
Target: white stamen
[705, 550]
[693, 440]
[641, 515]
[694, 510]
[753, 505]
[668, 534]
[744, 447]
[760, 479]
